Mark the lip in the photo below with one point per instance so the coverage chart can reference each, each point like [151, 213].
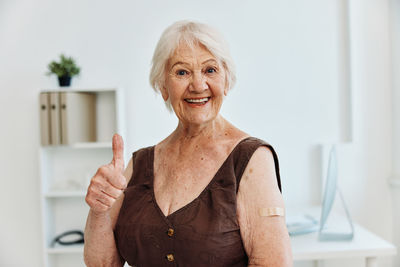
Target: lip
[198, 97]
[197, 104]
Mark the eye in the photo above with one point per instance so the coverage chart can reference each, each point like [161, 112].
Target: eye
[181, 72]
[211, 70]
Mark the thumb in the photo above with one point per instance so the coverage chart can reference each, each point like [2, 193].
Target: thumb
[118, 152]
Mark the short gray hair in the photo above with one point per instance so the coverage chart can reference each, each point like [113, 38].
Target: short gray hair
[190, 33]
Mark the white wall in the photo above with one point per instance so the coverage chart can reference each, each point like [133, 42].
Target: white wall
[395, 27]
[369, 158]
[289, 91]
[372, 110]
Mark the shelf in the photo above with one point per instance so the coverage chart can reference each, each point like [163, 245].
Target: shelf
[72, 249]
[82, 145]
[92, 145]
[81, 90]
[62, 194]
[66, 170]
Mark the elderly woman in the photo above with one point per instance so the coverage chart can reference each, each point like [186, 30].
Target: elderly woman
[208, 194]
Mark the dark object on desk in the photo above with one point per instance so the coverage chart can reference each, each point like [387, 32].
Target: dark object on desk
[65, 238]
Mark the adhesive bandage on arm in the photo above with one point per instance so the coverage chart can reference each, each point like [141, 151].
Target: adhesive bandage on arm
[268, 212]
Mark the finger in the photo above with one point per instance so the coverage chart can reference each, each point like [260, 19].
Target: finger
[104, 198]
[107, 174]
[118, 181]
[94, 199]
[111, 190]
[100, 207]
[118, 152]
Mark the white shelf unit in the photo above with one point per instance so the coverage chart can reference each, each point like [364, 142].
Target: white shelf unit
[65, 172]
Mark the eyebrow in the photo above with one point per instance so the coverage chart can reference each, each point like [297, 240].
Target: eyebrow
[208, 60]
[178, 63]
[184, 63]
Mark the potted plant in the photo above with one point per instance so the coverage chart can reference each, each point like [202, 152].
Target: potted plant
[65, 69]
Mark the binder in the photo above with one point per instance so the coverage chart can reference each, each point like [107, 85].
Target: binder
[55, 126]
[44, 100]
[78, 117]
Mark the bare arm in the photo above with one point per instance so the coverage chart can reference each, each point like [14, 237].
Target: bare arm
[266, 239]
[105, 197]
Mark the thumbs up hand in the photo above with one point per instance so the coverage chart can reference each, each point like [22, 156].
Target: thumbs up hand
[109, 182]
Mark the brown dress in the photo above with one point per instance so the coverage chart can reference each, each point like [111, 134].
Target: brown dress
[205, 232]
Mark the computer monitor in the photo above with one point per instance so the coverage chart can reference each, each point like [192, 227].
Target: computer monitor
[330, 191]
[308, 224]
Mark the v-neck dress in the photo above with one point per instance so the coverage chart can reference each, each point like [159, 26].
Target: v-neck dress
[205, 232]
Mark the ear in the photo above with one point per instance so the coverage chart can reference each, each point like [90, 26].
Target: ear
[226, 81]
[164, 93]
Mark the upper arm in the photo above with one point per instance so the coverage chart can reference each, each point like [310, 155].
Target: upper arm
[114, 211]
[265, 239]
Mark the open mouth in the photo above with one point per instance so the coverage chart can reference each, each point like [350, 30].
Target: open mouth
[197, 101]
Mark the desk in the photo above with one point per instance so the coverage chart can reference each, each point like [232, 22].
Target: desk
[364, 245]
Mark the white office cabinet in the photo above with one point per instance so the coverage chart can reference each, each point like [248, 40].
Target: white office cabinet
[66, 169]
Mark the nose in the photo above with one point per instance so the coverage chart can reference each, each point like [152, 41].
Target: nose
[198, 83]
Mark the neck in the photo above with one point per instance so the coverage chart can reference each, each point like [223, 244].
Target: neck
[211, 130]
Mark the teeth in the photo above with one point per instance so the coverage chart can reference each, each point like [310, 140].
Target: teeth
[196, 100]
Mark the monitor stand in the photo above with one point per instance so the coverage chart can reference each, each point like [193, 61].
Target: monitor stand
[325, 235]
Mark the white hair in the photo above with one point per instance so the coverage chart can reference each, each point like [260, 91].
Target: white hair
[190, 33]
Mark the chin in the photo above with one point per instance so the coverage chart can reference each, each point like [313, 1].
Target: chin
[202, 120]
[197, 116]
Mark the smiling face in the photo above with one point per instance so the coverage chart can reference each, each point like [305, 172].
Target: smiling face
[195, 84]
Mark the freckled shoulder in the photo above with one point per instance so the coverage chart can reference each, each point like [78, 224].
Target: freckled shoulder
[259, 161]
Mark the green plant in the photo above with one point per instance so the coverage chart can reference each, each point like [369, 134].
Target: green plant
[66, 67]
